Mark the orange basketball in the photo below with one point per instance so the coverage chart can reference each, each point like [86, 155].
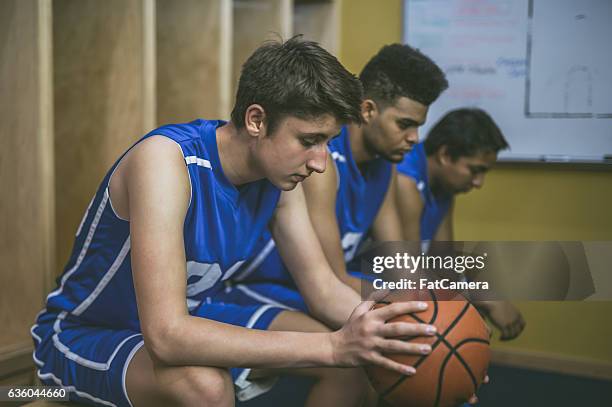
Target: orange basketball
[454, 369]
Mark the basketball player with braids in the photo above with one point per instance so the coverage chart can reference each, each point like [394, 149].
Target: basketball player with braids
[136, 318]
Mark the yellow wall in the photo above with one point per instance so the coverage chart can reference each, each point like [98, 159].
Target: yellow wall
[365, 27]
[517, 203]
[547, 203]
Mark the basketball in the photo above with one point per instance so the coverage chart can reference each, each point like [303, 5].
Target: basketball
[454, 369]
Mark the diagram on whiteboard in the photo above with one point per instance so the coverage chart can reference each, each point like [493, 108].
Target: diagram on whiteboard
[569, 59]
[541, 68]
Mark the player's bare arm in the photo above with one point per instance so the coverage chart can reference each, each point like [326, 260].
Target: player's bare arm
[410, 206]
[320, 190]
[327, 297]
[158, 192]
[334, 302]
[156, 210]
[387, 226]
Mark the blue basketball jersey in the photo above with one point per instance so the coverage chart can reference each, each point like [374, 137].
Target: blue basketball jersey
[359, 196]
[435, 209]
[222, 227]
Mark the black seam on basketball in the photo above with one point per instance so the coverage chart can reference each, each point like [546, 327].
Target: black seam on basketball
[455, 351]
[457, 319]
[441, 379]
[439, 338]
[467, 340]
[447, 359]
[434, 316]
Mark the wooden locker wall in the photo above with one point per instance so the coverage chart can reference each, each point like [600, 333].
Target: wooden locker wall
[103, 94]
[193, 60]
[26, 176]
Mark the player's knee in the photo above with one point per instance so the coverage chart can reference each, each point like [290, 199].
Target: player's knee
[348, 376]
[205, 387]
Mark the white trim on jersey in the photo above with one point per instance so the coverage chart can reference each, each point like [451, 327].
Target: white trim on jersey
[125, 368]
[78, 232]
[74, 389]
[38, 338]
[88, 239]
[257, 261]
[77, 358]
[257, 315]
[192, 159]
[248, 389]
[337, 156]
[104, 280]
[36, 360]
[337, 176]
[232, 270]
[259, 297]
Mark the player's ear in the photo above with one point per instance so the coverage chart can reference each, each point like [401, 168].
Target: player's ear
[254, 120]
[443, 155]
[369, 110]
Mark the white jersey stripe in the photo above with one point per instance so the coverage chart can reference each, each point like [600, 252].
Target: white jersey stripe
[337, 156]
[77, 358]
[257, 261]
[262, 298]
[74, 389]
[105, 280]
[88, 239]
[125, 368]
[192, 159]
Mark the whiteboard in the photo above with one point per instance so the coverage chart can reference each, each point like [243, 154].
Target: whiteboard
[541, 68]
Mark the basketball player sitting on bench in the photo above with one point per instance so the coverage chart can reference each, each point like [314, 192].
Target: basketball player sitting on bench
[357, 192]
[453, 159]
[176, 216]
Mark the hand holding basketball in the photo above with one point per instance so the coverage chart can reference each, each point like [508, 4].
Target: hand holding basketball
[452, 372]
[366, 338]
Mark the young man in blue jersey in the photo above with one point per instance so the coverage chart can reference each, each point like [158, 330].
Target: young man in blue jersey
[357, 194]
[454, 158]
[140, 316]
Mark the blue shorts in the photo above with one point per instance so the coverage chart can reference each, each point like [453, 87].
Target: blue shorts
[91, 361]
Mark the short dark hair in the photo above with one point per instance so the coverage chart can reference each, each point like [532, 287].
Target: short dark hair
[399, 70]
[465, 132]
[297, 78]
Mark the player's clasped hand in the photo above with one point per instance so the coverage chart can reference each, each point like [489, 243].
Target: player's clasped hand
[366, 337]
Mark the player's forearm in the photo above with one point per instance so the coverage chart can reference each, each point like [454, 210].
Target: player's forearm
[195, 341]
[335, 304]
[355, 283]
[347, 279]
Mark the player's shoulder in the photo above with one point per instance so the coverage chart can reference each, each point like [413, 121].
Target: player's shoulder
[414, 164]
[410, 193]
[155, 163]
[156, 151]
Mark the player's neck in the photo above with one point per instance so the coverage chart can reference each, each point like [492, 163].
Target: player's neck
[235, 156]
[359, 148]
[433, 172]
